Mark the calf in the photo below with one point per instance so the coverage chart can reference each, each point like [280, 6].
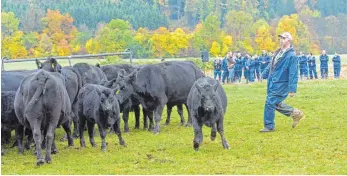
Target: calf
[207, 104]
[98, 104]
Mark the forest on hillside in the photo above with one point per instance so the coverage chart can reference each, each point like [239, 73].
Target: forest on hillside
[169, 28]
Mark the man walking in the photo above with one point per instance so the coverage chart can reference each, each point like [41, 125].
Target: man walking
[324, 59]
[282, 79]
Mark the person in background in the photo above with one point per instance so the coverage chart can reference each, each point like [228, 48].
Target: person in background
[251, 65]
[231, 67]
[303, 65]
[217, 69]
[312, 66]
[282, 80]
[257, 67]
[225, 69]
[324, 59]
[247, 62]
[238, 68]
[265, 60]
[337, 65]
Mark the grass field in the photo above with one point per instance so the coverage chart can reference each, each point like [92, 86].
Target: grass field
[317, 146]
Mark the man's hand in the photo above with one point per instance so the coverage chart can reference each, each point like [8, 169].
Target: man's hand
[291, 94]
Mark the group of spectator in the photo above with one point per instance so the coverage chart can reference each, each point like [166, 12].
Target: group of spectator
[235, 65]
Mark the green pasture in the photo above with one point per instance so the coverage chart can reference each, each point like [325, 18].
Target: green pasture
[317, 146]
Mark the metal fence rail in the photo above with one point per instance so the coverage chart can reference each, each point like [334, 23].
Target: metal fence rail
[69, 58]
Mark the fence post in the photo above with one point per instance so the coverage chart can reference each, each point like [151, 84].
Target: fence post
[2, 64]
[131, 57]
[69, 58]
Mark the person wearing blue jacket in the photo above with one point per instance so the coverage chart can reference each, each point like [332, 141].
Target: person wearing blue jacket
[225, 69]
[238, 67]
[324, 59]
[217, 69]
[337, 65]
[257, 67]
[312, 66]
[250, 67]
[245, 71]
[265, 60]
[303, 65]
[282, 80]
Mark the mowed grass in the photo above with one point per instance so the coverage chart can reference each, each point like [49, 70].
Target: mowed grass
[317, 146]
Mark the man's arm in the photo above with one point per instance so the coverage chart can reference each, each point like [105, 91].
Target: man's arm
[265, 73]
[293, 74]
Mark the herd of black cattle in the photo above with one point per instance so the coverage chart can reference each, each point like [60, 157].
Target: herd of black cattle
[36, 102]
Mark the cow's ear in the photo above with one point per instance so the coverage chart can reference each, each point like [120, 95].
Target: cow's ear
[215, 86]
[121, 73]
[97, 65]
[55, 65]
[198, 87]
[132, 76]
[38, 64]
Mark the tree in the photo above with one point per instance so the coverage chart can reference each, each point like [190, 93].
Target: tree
[238, 24]
[264, 39]
[115, 36]
[9, 23]
[215, 49]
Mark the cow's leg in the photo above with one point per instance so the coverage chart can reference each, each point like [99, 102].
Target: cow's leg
[158, 113]
[137, 116]
[49, 141]
[67, 129]
[168, 111]
[145, 118]
[19, 138]
[125, 119]
[189, 123]
[29, 139]
[54, 147]
[117, 130]
[213, 131]
[91, 133]
[220, 129]
[36, 126]
[198, 137]
[75, 120]
[102, 131]
[82, 123]
[43, 133]
[151, 121]
[180, 112]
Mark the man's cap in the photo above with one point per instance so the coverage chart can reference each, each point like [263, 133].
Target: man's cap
[286, 35]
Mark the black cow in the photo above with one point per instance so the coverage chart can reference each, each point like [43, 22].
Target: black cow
[98, 104]
[42, 103]
[90, 74]
[9, 120]
[10, 81]
[160, 84]
[207, 103]
[73, 84]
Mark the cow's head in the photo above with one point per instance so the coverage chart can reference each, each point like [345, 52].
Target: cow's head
[125, 85]
[107, 102]
[50, 65]
[208, 95]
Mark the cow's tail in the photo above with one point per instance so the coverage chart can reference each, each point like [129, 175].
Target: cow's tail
[79, 80]
[40, 90]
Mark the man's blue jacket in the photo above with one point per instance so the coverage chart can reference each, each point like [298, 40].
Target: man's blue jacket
[282, 76]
